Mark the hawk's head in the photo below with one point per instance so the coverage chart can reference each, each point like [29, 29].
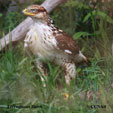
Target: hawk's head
[36, 12]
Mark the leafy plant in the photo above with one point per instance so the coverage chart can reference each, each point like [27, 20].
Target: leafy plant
[81, 34]
[100, 14]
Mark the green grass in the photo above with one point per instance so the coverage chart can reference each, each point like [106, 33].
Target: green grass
[21, 85]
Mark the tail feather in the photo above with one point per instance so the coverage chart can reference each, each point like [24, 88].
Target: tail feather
[84, 59]
[88, 62]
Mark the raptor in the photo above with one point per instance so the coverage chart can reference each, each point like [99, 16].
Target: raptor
[46, 41]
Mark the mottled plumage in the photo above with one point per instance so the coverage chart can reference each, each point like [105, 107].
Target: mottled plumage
[48, 42]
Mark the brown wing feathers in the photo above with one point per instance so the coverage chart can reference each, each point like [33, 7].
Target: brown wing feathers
[66, 42]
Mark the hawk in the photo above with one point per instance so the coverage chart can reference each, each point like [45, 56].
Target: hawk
[48, 42]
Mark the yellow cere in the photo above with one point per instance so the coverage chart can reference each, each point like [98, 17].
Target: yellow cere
[27, 13]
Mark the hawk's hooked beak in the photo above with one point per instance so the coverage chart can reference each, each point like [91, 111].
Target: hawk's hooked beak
[25, 11]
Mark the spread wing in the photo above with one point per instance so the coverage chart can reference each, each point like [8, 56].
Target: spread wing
[67, 44]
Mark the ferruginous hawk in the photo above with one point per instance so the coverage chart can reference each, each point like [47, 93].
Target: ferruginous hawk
[48, 42]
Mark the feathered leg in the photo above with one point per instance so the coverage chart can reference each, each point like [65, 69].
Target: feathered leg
[70, 71]
[42, 74]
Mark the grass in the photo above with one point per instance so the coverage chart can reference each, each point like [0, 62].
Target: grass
[20, 84]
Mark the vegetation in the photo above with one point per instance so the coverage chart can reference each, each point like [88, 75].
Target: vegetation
[20, 83]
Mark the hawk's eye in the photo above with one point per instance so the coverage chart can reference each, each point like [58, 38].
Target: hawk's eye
[34, 10]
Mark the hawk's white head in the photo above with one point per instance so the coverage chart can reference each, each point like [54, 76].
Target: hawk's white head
[37, 13]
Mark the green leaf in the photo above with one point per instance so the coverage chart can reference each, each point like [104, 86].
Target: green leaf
[105, 16]
[98, 13]
[79, 34]
[87, 17]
